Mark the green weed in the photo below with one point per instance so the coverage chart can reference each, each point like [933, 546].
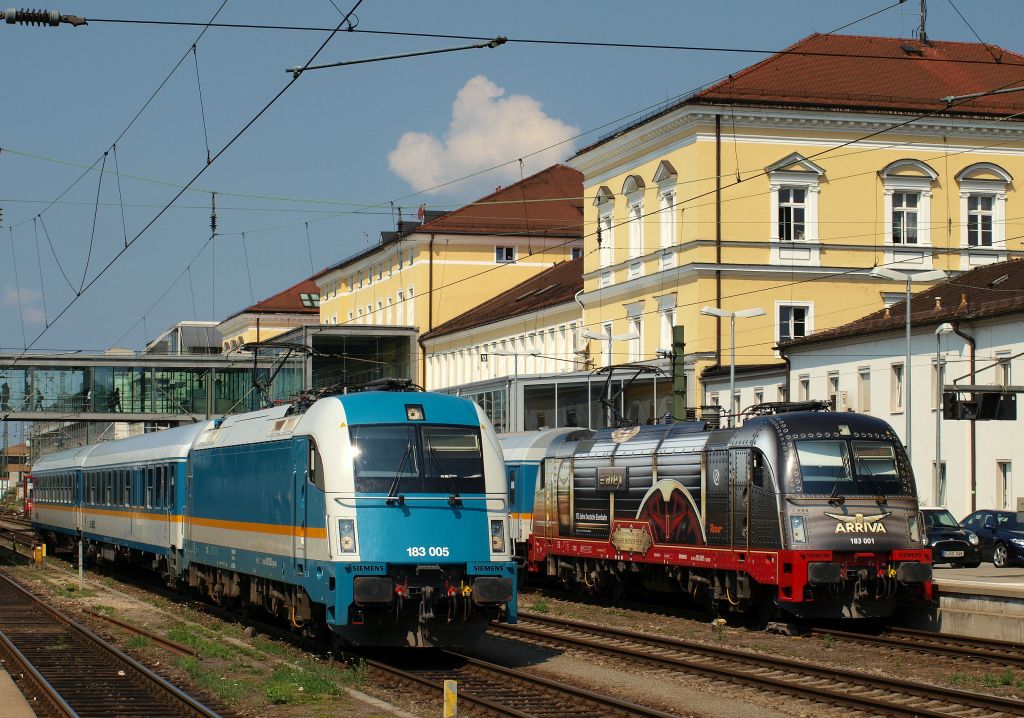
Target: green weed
[829, 640]
[1006, 678]
[541, 605]
[210, 649]
[291, 684]
[229, 691]
[139, 642]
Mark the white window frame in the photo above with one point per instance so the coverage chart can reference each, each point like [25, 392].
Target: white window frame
[502, 252]
[604, 200]
[864, 389]
[804, 387]
[909, 256]
[605, 278]
[607, 331]
[808, 317]
[633, 189]
[803, 252]
[897, 387]
[666, 320]
[975, 255]
[1004, 481]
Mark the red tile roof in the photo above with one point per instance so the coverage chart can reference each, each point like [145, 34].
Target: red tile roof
[887, 74]
[878, 73]
[553, 286]
[548, 203]
[287, 302]
[988, 291]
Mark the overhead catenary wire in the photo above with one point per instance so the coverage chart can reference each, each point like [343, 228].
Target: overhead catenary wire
[46, 234]
[17, 289]
[92, 235]
[202, 108]
[39, 264]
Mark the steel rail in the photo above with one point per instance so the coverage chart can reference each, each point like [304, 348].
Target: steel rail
[950, 645]
[530, 682]
[42, 687]
[830, 695]
[182, 699]
[172, 646]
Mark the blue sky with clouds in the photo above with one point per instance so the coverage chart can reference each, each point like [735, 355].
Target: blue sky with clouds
[340, 146]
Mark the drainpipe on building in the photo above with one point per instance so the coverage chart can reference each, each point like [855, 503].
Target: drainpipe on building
[718, 235]
[973, 436]
[789, 371]
[430, 311]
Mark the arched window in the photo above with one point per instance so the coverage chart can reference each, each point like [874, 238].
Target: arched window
[633, 189]
[604, 200]
[907, 188]
[665, 177]
[983, 188]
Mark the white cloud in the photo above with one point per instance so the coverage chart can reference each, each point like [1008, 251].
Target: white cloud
[30, 307]
[487, 128]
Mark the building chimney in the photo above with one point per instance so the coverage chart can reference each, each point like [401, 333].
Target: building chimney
[938, 304]
[963, 300]
[888, 314]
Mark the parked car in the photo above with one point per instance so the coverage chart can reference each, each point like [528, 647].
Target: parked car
[1001, 534]
[951, 543]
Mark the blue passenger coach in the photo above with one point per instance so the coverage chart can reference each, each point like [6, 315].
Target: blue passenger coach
[382, 516]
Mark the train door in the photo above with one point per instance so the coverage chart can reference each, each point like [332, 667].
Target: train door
[764, 514]
[717, 504]
[186, 509]
[512, 473]
[739, 497]
[300, 450]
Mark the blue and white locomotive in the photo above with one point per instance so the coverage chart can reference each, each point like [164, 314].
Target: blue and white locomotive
[380, 515]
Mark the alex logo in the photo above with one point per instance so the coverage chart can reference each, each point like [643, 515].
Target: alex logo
[859, 523]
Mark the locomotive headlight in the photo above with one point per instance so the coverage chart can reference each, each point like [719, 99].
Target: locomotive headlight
[973, 538]
[498, 535]
[347, 535]
[796, 524]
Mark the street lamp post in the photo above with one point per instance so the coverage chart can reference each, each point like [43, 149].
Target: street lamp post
[929, 276]
[743, 314]
[940, 485]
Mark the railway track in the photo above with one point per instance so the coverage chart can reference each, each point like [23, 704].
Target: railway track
[489, 689]
[1003, 653]
[70, 671]
[874, 694]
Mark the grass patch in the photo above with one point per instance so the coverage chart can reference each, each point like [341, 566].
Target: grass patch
[104, 609]
[273, 648]
[71, 590]
[541, 605]
[1006, 678]
[228, 690]
[960, 679]
[828, 640]
[295, 684]
[139, 642]
[209, 649]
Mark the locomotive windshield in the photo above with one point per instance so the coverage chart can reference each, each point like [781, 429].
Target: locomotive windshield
[849, 468]
[404, 459]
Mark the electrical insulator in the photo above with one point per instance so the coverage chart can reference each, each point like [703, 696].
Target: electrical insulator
[40, 17]
[33, 17]
[213, 213]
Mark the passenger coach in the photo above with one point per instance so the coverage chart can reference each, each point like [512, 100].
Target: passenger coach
[379, 515]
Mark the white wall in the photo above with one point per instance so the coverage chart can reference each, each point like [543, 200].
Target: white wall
[995, 440]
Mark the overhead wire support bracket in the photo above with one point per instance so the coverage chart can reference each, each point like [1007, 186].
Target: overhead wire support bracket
[51, 18]
[495, 42]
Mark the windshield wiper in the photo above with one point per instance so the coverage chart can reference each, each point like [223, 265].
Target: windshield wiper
[879, 496]
[453, 498]
[394, 498]
[834, 497]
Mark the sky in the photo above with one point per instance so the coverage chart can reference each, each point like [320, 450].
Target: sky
[333, 160]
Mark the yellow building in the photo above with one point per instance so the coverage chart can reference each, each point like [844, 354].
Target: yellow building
[781, 187]
[426, 274]
[528, 331]
[294, 307]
